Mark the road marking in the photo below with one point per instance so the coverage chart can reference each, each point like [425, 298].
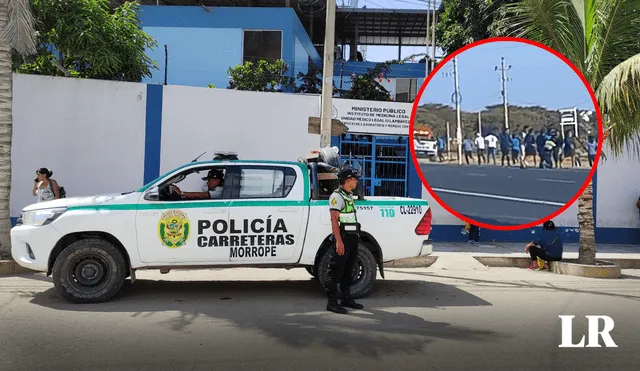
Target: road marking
[557, 181]
[497, 197]
[477, 174]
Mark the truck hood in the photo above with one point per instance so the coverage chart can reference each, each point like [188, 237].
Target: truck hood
[76, 201]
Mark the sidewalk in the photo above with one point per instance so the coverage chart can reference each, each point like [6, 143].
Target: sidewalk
[513, 255]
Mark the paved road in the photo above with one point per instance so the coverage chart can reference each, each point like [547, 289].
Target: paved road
[455, 314]
[505, 196]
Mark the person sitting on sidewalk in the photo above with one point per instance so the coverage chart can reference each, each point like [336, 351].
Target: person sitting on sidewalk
[474, 233]
[548, 247]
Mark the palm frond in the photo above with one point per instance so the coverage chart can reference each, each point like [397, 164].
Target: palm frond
[619, 98]
[555, 23]
[19, 32]
[616, 32]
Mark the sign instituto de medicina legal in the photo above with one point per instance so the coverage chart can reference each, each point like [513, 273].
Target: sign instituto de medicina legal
[371, 117]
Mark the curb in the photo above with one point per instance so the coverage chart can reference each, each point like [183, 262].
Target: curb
[415, 262]
[10, 267]
[602, 269]
[523, 262]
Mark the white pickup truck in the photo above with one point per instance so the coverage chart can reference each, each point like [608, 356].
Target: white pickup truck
[269, 214]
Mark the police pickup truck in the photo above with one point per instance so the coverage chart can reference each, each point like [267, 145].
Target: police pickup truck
[268, 214]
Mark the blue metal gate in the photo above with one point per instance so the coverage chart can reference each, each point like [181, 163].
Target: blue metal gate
[382, 161]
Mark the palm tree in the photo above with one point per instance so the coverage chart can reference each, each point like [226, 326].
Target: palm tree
[16, 33]
[601, 38]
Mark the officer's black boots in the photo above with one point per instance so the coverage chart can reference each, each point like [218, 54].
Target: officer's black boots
[333, 306]
[350, 303]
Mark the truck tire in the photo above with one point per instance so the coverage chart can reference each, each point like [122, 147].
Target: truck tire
[89, 271]
[364, 277]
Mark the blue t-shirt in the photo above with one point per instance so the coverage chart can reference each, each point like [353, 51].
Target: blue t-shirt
[551, 243]
[504, 141]
[440, 143]
[515, 144]
[592, 147]
[468, 145]
[540, 139]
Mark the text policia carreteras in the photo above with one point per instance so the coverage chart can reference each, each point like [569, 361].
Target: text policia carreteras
[247, 238]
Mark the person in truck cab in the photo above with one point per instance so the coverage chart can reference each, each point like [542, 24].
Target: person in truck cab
[345, 228]
[214, 179]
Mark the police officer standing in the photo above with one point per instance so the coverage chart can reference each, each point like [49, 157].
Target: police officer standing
[345, 228]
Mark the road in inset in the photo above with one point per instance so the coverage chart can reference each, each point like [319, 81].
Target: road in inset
[503, 196]
[462, 317]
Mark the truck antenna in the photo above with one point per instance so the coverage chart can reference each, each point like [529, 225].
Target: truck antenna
[196, 159]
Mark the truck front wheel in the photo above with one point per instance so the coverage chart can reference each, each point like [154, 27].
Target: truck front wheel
[89, 271]
[364, 275]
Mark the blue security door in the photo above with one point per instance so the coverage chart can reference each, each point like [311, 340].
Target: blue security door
[382, 161]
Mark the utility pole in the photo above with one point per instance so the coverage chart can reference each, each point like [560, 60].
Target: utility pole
[426, 61]
[448, 142]
[457, 99]
[327, 75]
[503, 77]
[480, 123]
[433, 38]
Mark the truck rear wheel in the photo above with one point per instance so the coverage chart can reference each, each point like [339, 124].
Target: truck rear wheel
[364, 276]
[89, 271]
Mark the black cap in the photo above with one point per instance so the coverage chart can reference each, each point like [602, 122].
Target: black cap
[214, 174]
[347, 173]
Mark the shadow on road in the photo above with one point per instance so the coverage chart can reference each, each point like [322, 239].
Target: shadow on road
[526, 285]
[293, 312]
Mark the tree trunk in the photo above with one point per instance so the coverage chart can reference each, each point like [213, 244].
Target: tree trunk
[587, 250]
[6, 121]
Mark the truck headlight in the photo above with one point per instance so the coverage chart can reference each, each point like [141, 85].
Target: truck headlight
[42, 217]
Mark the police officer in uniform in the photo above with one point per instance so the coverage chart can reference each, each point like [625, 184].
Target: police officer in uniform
[345, 228]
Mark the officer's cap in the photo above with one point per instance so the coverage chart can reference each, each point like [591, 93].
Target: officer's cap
[347, 173]
[214, 174]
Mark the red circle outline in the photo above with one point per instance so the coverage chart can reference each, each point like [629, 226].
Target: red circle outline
[416, 103]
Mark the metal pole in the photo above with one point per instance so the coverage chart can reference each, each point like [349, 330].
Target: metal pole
[433, 37]
[426, 62]
[459, 129]
[166, 63]
[327, 75]
[480, 122]
[448, 142]
[504, 95]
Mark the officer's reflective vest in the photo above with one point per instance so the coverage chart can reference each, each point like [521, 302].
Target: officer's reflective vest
[348, 212]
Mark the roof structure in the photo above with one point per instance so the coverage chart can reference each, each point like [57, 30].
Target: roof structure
[383, 26]
[407, 27]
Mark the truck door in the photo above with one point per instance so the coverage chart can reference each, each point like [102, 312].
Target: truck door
[184, 231]
[268, 213]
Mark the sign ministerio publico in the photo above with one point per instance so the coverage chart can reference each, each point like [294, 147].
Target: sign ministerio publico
[371, 117]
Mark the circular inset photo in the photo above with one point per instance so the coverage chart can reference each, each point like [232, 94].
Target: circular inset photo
[505, 133]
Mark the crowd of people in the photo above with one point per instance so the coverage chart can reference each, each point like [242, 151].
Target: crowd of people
[546, 148]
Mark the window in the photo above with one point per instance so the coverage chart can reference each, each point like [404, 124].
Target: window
[406, 90]
[274, 182]
[261, 44]
[191, 181]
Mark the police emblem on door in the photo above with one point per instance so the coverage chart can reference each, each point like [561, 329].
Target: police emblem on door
[174, 229]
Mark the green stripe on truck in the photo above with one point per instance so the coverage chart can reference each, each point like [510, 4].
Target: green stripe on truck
[211, 204]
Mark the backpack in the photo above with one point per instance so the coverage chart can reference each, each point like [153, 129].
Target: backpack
[63, 192]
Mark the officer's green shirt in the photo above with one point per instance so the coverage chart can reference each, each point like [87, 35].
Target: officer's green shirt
[342, 201]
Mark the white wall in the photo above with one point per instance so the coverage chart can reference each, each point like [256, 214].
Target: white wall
[92, 134]
[89, 132]
[618, 191]
[269, 126]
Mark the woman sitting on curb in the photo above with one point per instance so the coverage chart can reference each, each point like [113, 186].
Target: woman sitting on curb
[547, 248]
